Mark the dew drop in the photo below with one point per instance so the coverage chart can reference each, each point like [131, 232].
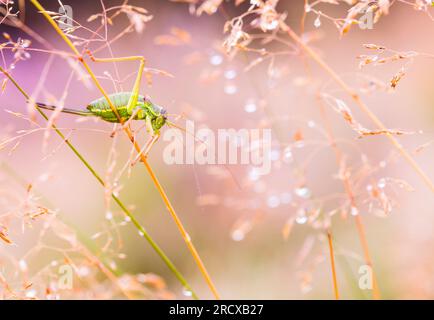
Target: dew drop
[237, 235]
[303, 192]
[270, 25]
[354, 211]
[254, 174]
[301, 220]
[216, 60]
[301, 217]
[275, 155]
[250, 106]
[113, 265]
[141, 234]
[230, 89]
[109, 215]
[23, 265]
[381, 183]
[287, 155]
[299, 144]
[31, 294]
[273, 201]
[230, 74]
[186, 292]
[83, 271]
[317, 22]
[187, 237]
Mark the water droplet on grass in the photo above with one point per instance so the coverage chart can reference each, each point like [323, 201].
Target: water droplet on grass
[354, 211]
[381, 183]
[287, 155]
[317, 22]
[230, 74]
[237, 235]
[273, 201]
[303, 192]
[23, 265]
[109, 215]
[31, 294]
[216, 60]
[275, 155]
[230, 89]
[250, 106]
[187, 292]
[254, 174]
[301, 217]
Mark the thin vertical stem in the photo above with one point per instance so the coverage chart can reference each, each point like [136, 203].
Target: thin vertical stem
[333, 266]
[184, 233]
[348, 189]
[361, 230]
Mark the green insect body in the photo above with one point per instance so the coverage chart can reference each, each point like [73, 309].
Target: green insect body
[143, 110]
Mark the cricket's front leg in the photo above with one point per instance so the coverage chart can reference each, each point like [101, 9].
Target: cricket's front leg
[149, 126]
[147, 148]
[153, 139]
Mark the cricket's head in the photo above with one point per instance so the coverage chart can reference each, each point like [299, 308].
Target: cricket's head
[159, 121]
[157, 114]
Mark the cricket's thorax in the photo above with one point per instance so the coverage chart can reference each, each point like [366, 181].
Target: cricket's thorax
[144, 109]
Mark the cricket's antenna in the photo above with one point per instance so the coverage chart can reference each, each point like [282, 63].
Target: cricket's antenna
[171, 124]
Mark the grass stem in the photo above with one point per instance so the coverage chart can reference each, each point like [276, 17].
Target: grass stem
[333, 266]
[349, 190]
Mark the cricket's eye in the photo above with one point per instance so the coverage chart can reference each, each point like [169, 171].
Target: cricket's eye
[159, 121]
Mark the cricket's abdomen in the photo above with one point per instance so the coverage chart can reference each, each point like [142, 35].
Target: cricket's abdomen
[101, 108]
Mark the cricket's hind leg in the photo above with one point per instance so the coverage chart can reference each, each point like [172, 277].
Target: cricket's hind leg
[135, 93]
